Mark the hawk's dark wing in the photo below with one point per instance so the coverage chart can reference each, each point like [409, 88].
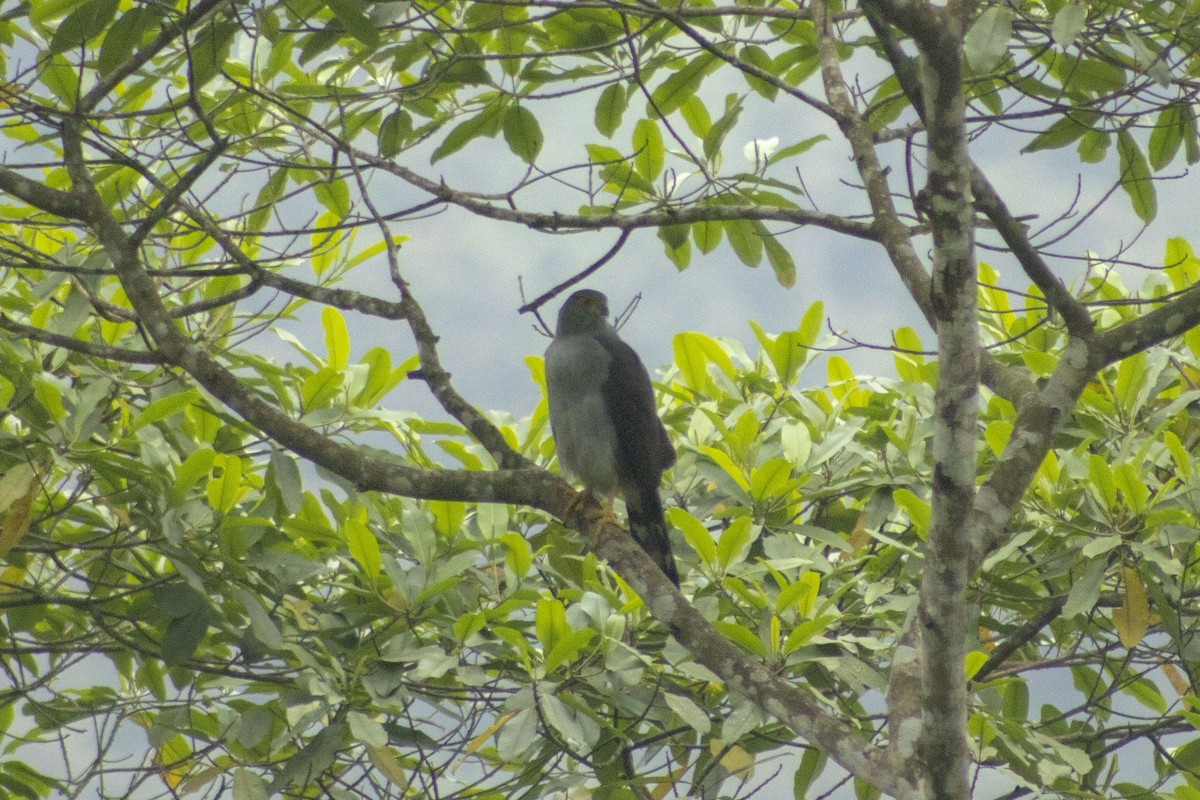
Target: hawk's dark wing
[644, 450]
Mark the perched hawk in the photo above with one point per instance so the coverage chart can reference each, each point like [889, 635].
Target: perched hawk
[605, 424]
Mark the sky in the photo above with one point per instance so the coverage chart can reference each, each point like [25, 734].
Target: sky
[468, 271]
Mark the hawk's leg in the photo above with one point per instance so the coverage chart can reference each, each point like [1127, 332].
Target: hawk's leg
[606, 505]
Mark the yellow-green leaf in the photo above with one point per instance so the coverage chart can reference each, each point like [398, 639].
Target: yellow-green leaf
[226, 489]
[722, 460]
[364, 547]
[973, 662]
[735, 542]
[1101, 479]
[17, 510]
[517, 554]
[1132, 619]
[771, 479]
[918, 511]
[694, 532]
[648, 149]
[1135, 177]
[337, 338]
[691, 360]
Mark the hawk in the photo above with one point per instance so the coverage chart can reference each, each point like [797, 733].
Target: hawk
[606, 427]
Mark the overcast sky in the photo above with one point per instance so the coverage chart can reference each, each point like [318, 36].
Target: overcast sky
[465, 269]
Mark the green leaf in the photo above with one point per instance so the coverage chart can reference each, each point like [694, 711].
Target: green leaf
[485, 123]
[334, 195]
[708, 234]
[771, 479]
[249, 786]
[210, 51]
[692, 715]
[1093, 146]
[261, 624]
[1101, 480]
[986, 43]
[364, 547]
[394, 131]
[225, 490]
[381, 378]
[165, 407]
[779, 258]
[676, 244]
[669, 95]
[1136, 179]
[812, 763]
[802, 594]
[918, 511]
[517, 554]
[50, 10]
[722, 460]
[695, 114]
[1068, 24]
[523, 133]
[756, 56]
[123, 37]
[284, 473]
[721, 128]
[319, 388]
[337, 338]
[83, 24]
[973, 662]
[576, 727]
[1168, 134]
[735, 541]
[60, 78]
[1147, 59]
[1015, 701]
[1191, 137]
[648, 149]
[1129, 386]
[550, 623]
[1064, 131]
[610, 108]
[366, 730]
[745, 239]
[796, 149]
[694, 532]
[448, 515]
[352, 15]
[691, 361]
[1088, 75]
[196, 466]
[741, 636]
[568, 648]
[189, 615]
[583, 28]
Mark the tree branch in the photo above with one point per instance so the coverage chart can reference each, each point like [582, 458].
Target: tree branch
[943, 748]
[892, 233]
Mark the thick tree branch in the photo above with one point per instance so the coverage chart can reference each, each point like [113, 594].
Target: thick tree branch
[1165, 322]
[943, 748]
[93, 349]
[942, 608]
[652, 218]
[52, 201]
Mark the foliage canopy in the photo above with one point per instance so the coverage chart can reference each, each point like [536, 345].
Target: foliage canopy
[971, 578]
